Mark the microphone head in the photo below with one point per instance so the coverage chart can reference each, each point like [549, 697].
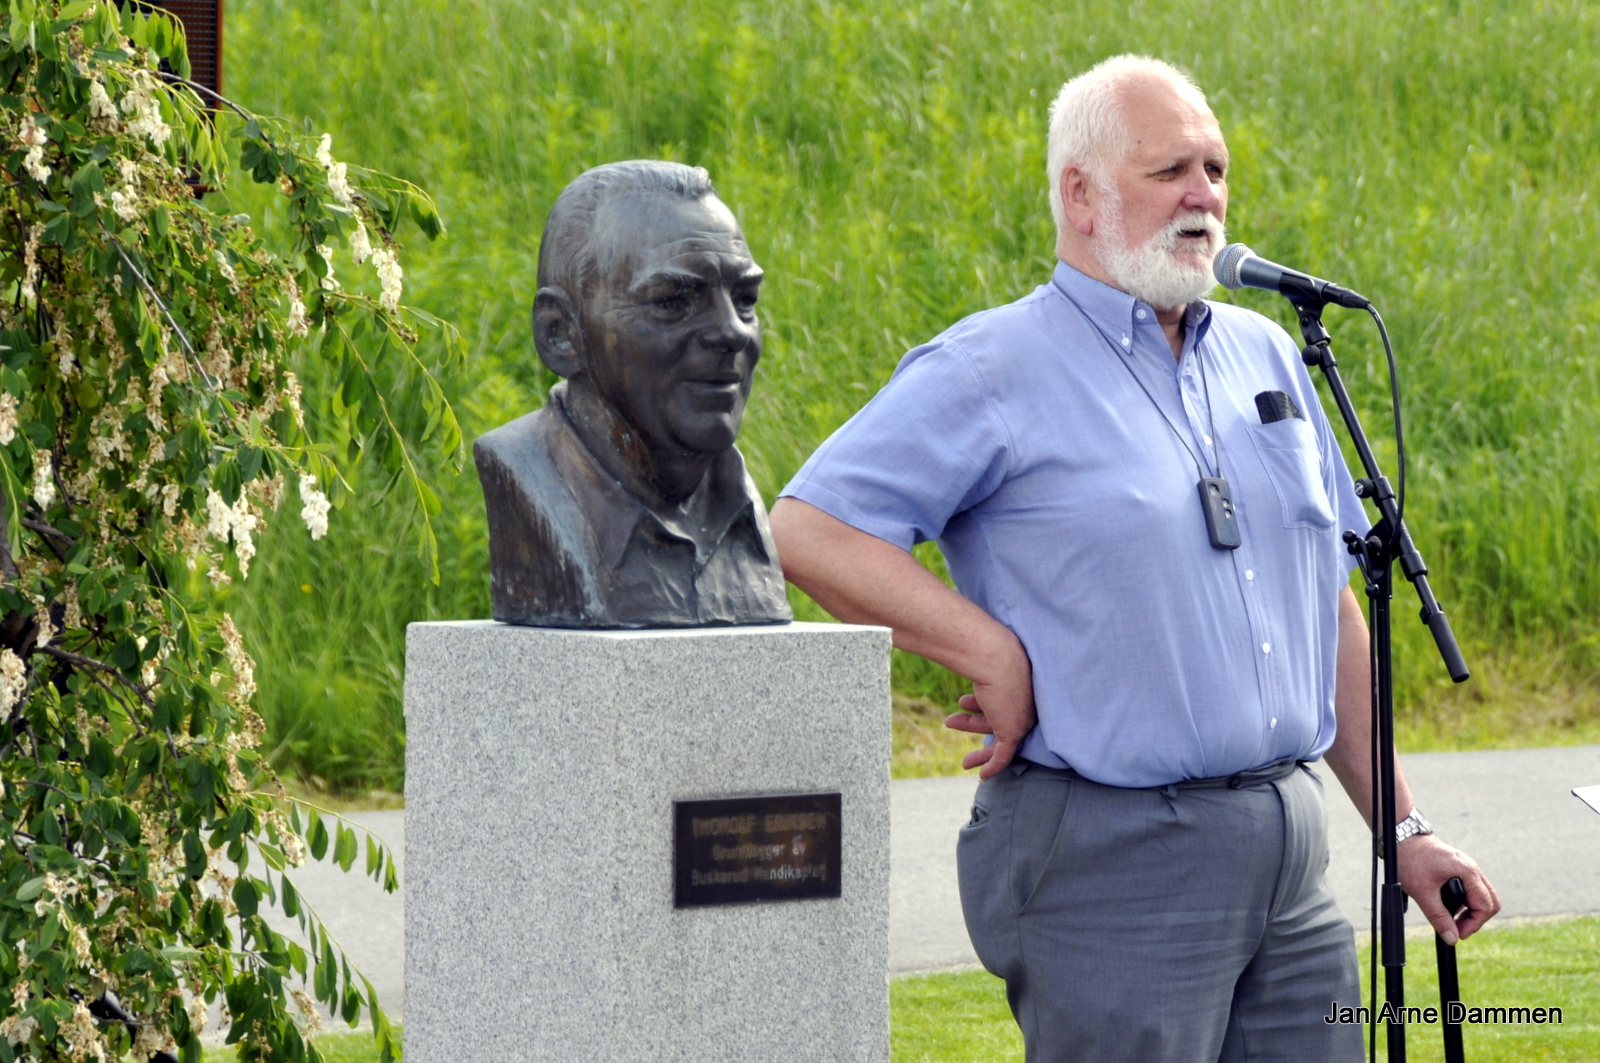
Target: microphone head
[1227, 263]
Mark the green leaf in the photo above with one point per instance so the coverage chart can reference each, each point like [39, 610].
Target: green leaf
[288, 897]
[30, 889]
[374, 857]
[317, 837]
[245, 897]
[345, 850]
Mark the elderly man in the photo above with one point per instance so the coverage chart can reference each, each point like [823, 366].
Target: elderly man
[623, 501]
[1141, 502]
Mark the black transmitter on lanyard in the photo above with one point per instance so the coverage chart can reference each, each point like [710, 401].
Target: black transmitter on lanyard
[1222, 524]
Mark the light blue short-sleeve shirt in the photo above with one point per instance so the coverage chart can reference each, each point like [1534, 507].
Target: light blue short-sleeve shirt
[1051, 447]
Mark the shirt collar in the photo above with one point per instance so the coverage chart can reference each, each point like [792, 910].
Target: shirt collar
[722, 498]
[1114, 310]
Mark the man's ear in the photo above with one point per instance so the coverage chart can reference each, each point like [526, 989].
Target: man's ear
[557, 333]
[1076, 190]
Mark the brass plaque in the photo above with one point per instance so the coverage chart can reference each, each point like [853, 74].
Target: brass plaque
[744, 849]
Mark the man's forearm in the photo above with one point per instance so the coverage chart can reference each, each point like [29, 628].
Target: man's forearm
[862, 579]
[1426, 863]
[1351, 755]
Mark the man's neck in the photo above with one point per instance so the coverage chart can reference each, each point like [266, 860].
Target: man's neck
[662, 481]
[1172, 325]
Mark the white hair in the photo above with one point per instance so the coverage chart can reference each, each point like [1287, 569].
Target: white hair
[1087, 127]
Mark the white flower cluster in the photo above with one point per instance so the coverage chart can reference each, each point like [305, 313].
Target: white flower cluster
[237, 520]
[13, 679]
[140, 102]
[66, 361]
[389, 274]
[30, 261]
[338, 181]
[242, 664]
[329, 284]
[83, 1036]
[100, 105]
[125, 200]
[34, 139]
[17, 1029]
[8, 418]
[296, 322]
[315, 511]
[44, 484]
[360, 243]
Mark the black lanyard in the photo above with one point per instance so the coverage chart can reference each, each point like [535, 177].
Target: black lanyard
[1216, 500]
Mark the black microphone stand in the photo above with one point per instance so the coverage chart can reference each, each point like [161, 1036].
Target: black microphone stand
[1387, 542]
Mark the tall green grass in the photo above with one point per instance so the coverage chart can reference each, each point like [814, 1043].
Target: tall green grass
[887, 164]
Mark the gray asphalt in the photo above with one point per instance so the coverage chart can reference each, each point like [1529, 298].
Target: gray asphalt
[1511, 810]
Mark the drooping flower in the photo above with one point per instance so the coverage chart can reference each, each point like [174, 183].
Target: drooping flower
[315, 511]
[13, 679]
[30, 261]
[338, 182]
[296, 322]
[44, 484]
[360, 244]
[8, 418]
[100, 105]
[329, 284]
[34, 139]
[389, 274]
[147, 121]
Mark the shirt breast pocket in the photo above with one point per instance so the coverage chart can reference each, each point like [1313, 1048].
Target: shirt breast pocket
[1289, 451]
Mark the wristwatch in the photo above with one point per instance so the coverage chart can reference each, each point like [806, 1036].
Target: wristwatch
[1411, 826]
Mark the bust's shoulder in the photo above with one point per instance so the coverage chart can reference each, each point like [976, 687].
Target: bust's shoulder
[530, 435]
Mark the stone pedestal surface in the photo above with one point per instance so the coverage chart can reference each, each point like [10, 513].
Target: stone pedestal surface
[541, 769]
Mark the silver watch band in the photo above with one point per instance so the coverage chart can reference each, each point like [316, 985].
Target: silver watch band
[1413, 825]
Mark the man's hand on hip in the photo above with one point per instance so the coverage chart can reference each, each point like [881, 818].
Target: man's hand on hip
[1426, 864]
[1002, 707]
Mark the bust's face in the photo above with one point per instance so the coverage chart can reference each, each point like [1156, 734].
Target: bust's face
[670, 322]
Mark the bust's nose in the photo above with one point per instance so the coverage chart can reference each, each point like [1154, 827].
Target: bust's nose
[726, 330]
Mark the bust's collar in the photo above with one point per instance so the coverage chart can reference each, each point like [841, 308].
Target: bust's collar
[704, 519]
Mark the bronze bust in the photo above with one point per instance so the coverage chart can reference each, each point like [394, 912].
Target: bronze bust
[623, 503]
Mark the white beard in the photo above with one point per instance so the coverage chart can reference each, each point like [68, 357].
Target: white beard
[1152, 272]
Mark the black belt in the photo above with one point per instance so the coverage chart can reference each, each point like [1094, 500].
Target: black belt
[1262, 776]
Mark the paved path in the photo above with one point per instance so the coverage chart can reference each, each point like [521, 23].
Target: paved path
[1511, 810]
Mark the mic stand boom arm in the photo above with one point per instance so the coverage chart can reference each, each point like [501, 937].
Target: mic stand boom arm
[1386, 542]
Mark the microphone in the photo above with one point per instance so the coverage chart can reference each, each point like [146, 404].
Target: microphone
[1236, 266]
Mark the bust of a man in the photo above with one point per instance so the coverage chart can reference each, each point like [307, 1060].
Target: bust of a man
[623, 501]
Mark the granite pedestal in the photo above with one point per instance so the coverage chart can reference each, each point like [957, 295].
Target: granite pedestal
[541, 770]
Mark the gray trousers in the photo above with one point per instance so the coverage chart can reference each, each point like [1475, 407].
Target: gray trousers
[1186, 924]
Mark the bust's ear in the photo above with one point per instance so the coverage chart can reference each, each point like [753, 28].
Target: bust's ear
[557, 334]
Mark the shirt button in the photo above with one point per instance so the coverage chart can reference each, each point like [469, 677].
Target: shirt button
[1266, 647]
[1274, 721]
[1249, 573]
[1207, 439]
[1126, 341]
[1139, 314]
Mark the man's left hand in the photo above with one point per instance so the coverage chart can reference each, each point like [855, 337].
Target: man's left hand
[1426, 864]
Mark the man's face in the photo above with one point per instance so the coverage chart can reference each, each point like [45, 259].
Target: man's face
[670, 323]
[1161, 218]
